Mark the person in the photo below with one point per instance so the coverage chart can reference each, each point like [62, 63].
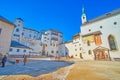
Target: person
[4, 60]
[25, 59]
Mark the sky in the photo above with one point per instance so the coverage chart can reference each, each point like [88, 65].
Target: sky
[61, 15]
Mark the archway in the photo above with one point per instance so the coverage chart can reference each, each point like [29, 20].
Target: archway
[101, 53]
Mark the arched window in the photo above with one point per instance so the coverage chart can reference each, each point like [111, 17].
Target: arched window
[112, 43]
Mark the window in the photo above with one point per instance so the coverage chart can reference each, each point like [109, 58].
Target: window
[22, 34]
[18, 50]
[30, 35]
[56, 45]
[97, 39]
[34, 36]
[10, 49]
[88, 43]
[51, 44]
[40, 44]
[16, 35]
[115, 23]
[52, 51]
[24, 51]
[112, 43]
[0, 31]
[75, 49]
[101, 27]
[44, 37]
[18, 24]
[83, 17]
[19, 21]
[17, 30]
[89, 52]
[89, 29]
[80, 48]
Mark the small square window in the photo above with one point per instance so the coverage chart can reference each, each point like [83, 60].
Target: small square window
[17, 30]
[10, 49]
[18, 50]
[100, 26]
[24, 51]
[115, 23]
[89, 29]
[19, 21]
[18, 24]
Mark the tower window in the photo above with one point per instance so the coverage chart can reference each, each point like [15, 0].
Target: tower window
[19, 21]
[83, 17]
[18, 24]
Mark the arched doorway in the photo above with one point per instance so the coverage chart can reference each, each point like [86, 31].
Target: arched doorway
[101, 53]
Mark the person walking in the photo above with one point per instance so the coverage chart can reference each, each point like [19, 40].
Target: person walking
[25, 59]
[4, 60]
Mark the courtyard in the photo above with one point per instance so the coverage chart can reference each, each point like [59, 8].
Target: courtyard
[80, 70]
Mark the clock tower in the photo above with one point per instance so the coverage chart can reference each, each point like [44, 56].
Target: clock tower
[83, 17]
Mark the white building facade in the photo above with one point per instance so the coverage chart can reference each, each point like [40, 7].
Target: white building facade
[98, 40]
[27, 37]
[100, 37]
[6, 30]
[50, 41]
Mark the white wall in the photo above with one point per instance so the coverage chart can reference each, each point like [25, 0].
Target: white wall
[20, 52]
[108, 28]
[5, 36]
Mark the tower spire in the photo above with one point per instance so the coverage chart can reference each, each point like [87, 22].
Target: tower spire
[83, 17]
[83, 10]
